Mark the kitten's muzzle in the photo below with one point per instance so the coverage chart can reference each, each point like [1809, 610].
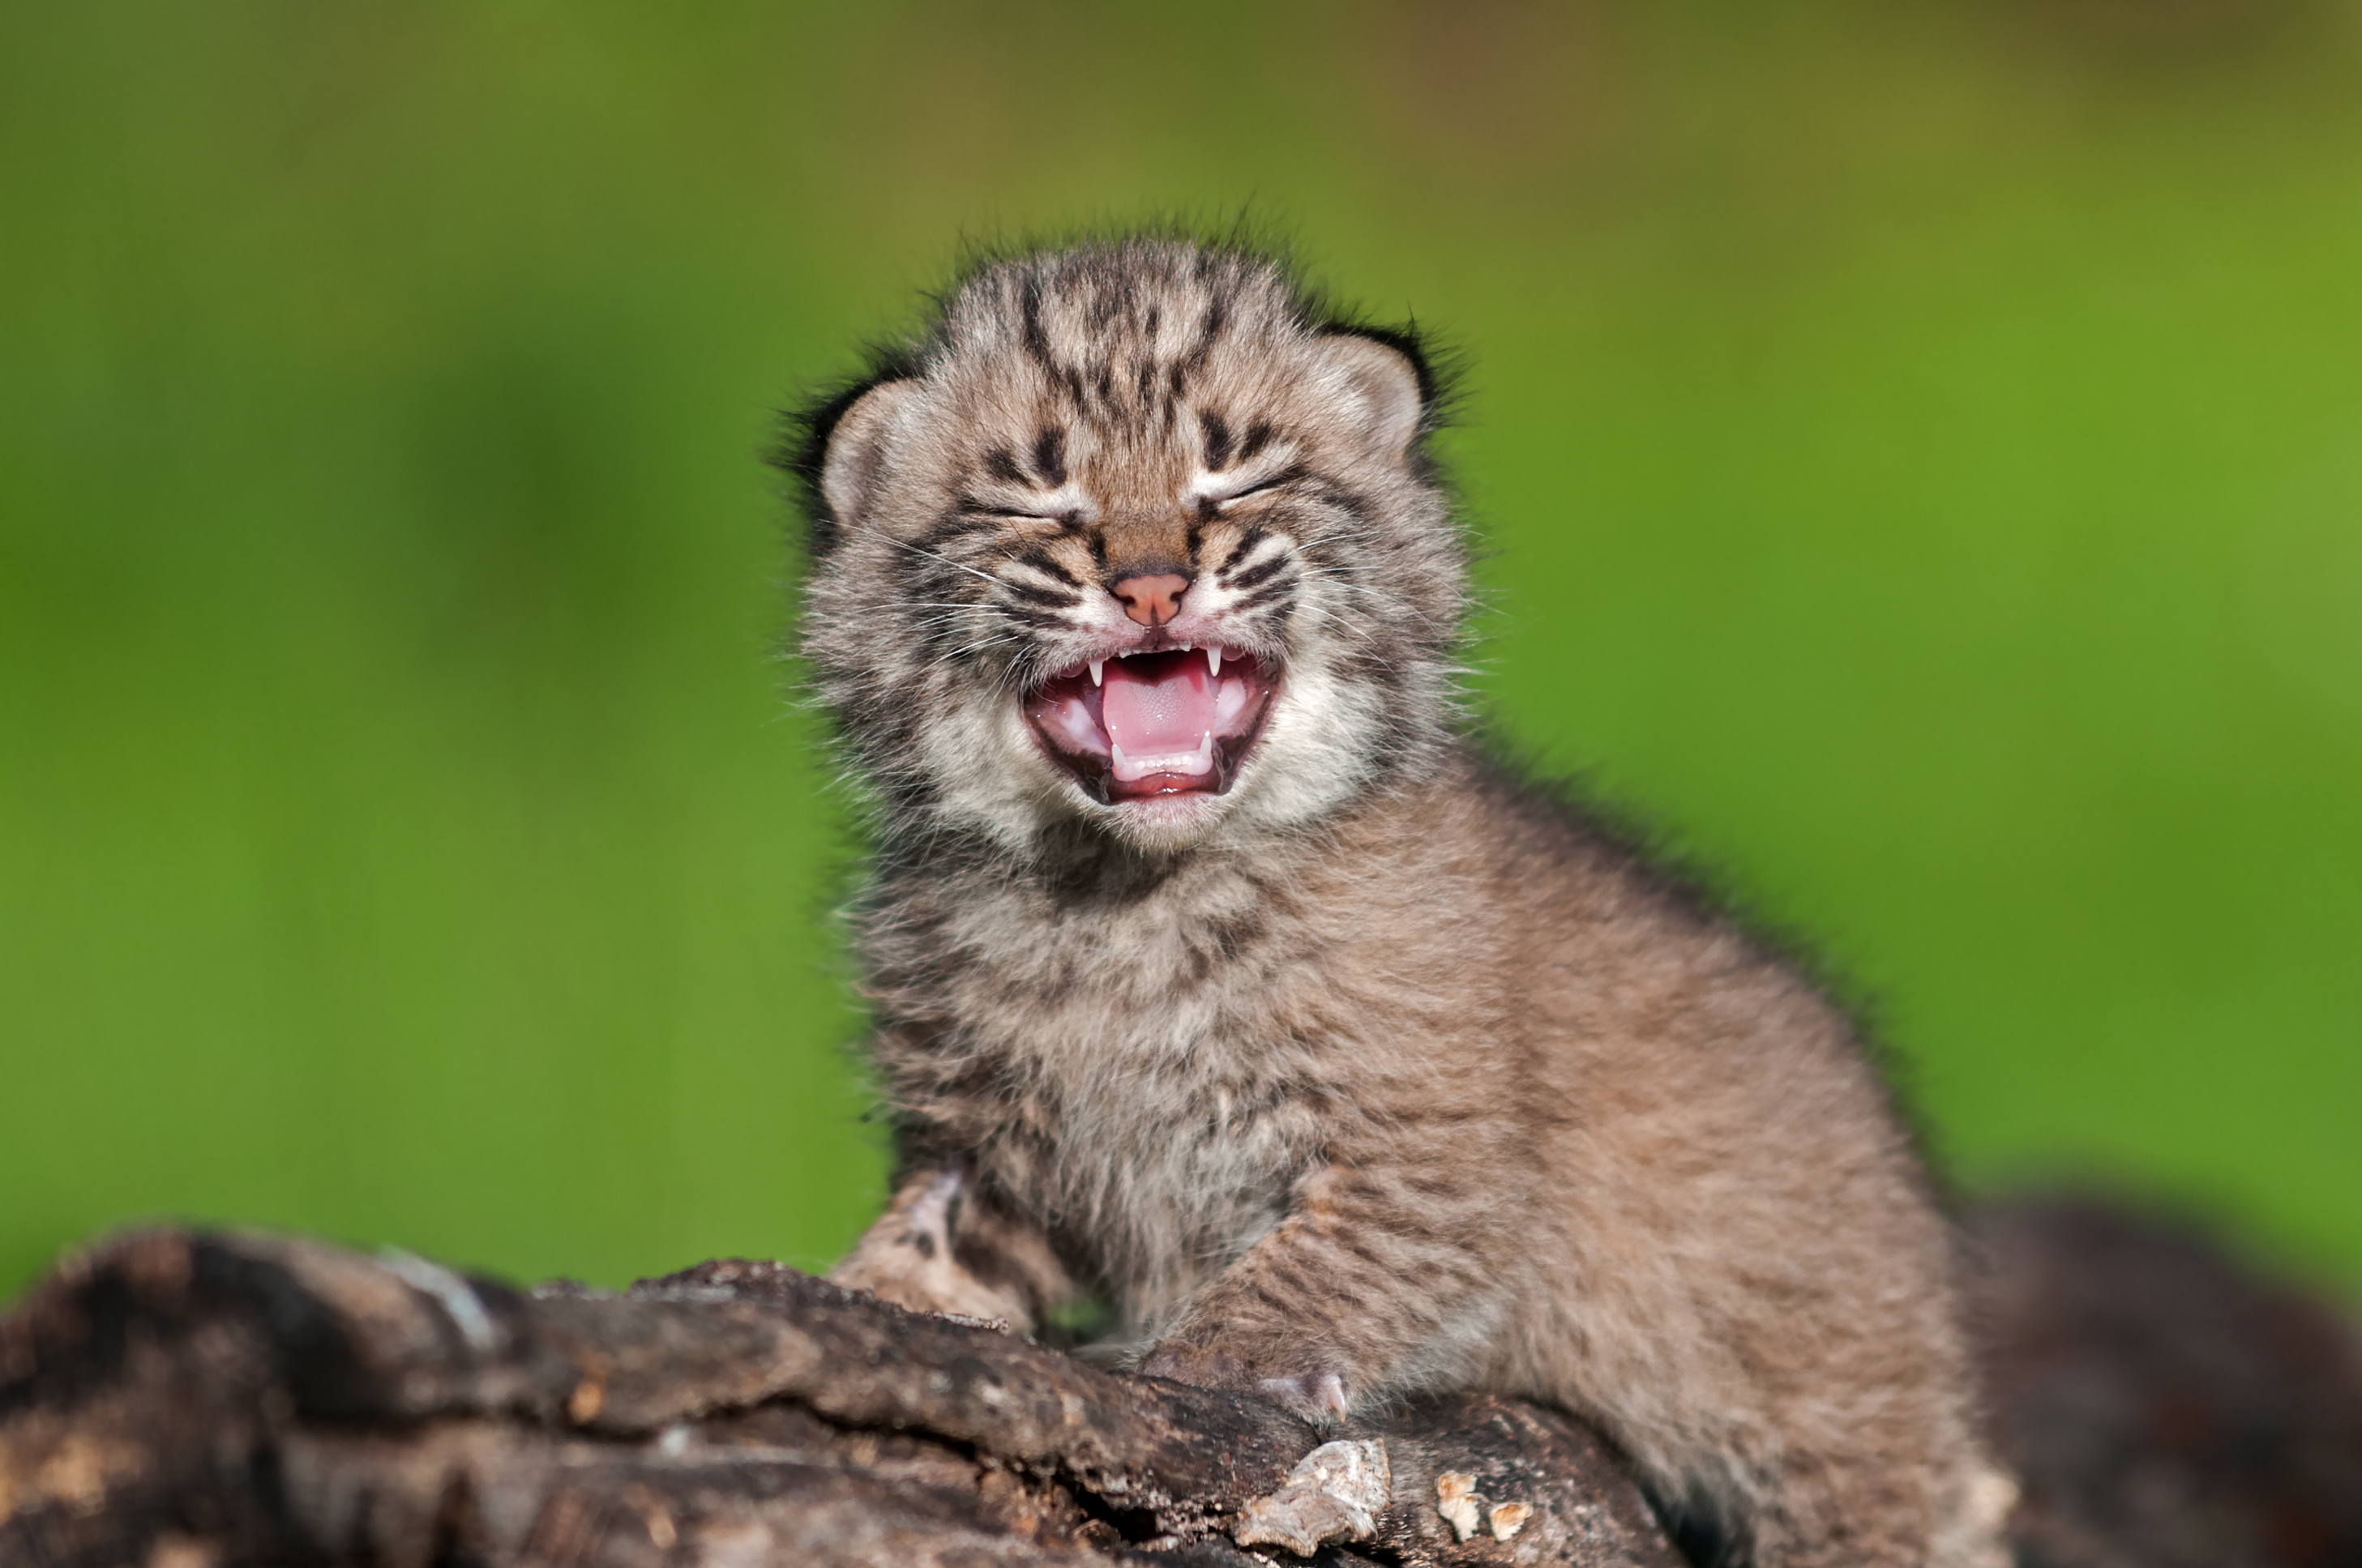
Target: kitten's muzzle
[1152, 599]
[1178, 720]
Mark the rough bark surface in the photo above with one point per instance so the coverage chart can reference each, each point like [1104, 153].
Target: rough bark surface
[181, 1400]
[178, 1400]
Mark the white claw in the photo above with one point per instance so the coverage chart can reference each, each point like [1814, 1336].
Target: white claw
[1214, 661]
[1096, 665]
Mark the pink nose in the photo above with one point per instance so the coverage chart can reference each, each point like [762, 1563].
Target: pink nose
[1153, 599]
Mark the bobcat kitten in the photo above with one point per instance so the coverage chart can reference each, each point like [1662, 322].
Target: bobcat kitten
[1215, 971]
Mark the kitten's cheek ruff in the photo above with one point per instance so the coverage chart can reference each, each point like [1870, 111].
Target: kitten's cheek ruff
[1144, 726]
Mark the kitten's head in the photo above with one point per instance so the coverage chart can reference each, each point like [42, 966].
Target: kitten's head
[1132, 536]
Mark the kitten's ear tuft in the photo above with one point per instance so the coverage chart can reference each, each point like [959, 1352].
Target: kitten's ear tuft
[836, 453]
[853, 459]
[1385, 373]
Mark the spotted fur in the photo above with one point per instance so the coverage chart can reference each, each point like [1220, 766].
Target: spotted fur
[1376, 1072]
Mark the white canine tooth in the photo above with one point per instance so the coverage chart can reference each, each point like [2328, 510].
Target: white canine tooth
[1096, 666]
[1203, 762]
[1213, 662]
[1117, 747]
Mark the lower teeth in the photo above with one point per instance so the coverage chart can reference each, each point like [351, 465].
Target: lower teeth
[1194, 764]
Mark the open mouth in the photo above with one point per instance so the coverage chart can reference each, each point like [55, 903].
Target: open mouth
[1175, 722]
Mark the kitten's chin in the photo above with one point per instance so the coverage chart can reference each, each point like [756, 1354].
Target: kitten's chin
[1178, 820]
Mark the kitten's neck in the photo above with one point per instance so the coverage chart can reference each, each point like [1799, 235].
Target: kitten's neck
[1075, 860]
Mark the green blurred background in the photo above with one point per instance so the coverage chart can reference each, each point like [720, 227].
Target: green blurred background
[1919, 446]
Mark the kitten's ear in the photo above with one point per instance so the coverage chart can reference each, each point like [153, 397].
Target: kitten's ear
[853, 459]
[1385, 375]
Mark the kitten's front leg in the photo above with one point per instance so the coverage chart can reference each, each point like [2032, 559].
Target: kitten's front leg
[1365, 1281]
[941, 1246]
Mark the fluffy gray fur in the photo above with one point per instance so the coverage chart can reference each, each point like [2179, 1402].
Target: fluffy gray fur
[1375, 1071]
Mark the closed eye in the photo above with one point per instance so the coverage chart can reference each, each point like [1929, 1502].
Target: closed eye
[1066, 506]
[1067, 517]
[1287, 476]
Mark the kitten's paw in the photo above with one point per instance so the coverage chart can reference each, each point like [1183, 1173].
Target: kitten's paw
[907, 1258]
[1198, 1367]
[1315, 1395]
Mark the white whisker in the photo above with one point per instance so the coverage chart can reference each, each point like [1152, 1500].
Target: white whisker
[955, 565]
[1343, 533]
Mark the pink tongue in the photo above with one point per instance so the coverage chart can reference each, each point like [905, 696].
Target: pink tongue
[1160, 715]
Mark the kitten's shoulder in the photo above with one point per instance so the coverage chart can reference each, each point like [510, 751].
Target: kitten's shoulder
[1560, 851]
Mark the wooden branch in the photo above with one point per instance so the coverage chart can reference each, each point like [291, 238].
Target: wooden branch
[193, 1401]
[175, 1401]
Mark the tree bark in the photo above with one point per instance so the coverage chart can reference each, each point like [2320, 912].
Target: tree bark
[179, 1400]
[183, 1400]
